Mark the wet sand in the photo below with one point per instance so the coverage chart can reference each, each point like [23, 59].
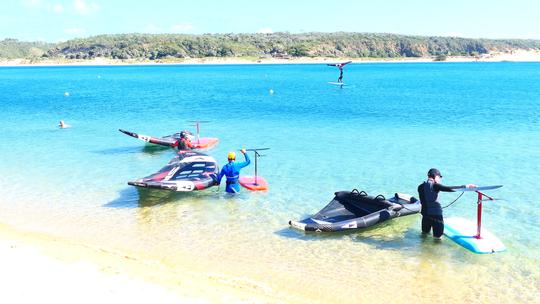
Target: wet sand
[40, 268]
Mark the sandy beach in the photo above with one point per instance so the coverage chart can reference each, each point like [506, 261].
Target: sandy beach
[41, 268]
[515, 56]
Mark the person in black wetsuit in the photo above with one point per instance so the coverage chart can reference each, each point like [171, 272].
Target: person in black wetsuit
[340, 67]
[432, 214]
[340, 79]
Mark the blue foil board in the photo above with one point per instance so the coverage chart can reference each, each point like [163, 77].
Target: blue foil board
[463, 232]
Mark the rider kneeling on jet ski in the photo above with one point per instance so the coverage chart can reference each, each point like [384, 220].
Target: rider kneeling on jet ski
[183, 143]
[232, 171]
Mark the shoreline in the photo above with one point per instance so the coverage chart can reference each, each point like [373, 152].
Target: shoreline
[66, 272]
[515, 56]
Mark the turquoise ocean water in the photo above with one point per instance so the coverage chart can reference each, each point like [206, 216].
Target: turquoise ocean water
[477, 122]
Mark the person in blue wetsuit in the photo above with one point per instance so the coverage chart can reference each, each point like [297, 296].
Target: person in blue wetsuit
[232, 171]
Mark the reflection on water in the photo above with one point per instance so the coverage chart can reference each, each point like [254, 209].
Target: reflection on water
[154, 149]
[135, 197]
[128, 198]
[147, 149]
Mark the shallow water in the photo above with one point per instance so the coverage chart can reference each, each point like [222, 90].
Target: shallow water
[476, 122]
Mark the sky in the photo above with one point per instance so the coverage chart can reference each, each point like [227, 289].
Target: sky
[60, 20]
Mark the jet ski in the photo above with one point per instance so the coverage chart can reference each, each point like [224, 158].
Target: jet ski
[356, 210]
[188, 171]
[169, 140]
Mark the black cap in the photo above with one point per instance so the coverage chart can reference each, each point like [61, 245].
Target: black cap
[434, 172]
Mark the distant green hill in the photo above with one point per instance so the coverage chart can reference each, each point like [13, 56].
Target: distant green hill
[350, 45]
[14, 49]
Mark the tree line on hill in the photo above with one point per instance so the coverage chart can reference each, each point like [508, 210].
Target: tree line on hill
[274, 45]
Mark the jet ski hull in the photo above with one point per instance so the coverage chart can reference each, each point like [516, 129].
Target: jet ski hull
[350, 210]
[189, 171]
[203, 143]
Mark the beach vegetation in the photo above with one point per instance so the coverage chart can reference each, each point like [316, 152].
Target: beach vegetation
[440, 57]
[14, 49]
[275, 45]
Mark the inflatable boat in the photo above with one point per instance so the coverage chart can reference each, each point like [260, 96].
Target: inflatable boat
[188, 171]
[169, 140]
[356, 210]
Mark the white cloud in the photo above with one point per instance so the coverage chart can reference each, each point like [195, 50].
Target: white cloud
[525, 35]
[83, 7]
[265, 30]
[181, 28]
[75, 30]
[58, 8]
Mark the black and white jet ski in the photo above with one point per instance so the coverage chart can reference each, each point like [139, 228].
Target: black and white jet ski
[356, 210]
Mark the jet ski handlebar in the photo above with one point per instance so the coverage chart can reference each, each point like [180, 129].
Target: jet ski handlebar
[361, 193]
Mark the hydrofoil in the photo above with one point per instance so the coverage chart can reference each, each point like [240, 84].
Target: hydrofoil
[255, 182]
[470, 234]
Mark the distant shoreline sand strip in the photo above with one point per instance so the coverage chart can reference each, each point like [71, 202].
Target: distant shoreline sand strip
[514, 56]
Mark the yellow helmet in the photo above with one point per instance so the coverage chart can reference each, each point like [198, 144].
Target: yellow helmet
[231, 156]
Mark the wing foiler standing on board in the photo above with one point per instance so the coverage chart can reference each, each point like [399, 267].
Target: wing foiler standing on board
[232, 171]
[340, 67]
